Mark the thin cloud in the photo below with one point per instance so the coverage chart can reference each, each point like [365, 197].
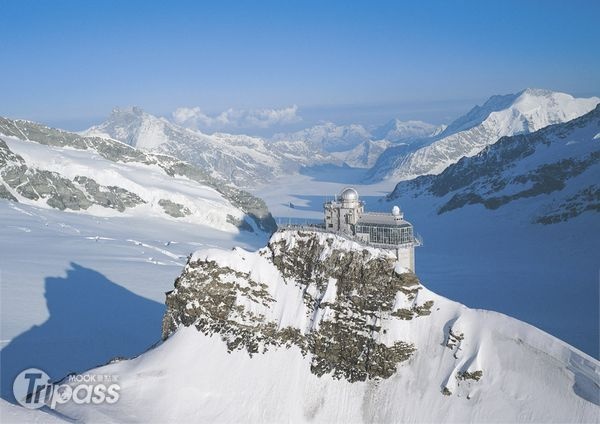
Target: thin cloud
[236, 118]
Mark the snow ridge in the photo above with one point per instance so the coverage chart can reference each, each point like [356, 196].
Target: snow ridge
[524, 112]
[556, 166]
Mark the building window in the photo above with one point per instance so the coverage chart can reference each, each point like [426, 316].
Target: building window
[386, 234]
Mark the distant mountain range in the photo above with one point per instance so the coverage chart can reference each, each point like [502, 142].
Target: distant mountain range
[397, 150]
[239, 159]
[248, 160]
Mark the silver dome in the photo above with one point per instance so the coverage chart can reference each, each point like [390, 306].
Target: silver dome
[349, 194]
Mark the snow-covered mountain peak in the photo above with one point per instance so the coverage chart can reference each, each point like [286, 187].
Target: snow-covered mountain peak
[246, 160]
[237, 159]
[547, 102]
[351, 144]
[540, 108]
[133, 126]
[479, 113]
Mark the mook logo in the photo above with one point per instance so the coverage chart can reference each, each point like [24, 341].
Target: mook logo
[33, 389]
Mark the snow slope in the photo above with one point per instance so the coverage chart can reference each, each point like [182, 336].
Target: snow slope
[73, 285]
[467, 365]
[150, 183]
[50, 168]
[558, 165]
[15, 414]
[524, 112]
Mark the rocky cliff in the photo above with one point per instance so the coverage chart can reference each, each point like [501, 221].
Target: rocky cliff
[349, 298]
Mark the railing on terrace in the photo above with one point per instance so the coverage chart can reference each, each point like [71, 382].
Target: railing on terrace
[378, 213]
[320, 228]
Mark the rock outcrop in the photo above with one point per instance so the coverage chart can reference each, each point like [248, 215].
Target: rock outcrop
[345, 295]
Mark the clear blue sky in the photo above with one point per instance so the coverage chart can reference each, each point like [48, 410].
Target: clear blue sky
[69, 62]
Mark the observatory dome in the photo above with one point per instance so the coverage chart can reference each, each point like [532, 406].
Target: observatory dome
[396, 211]
[349, 194]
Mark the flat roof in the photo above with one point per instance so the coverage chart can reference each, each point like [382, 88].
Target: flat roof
[382, 218]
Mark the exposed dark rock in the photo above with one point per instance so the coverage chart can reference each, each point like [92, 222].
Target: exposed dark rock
[545, 179]
[58, 191]
[454, 339]
[586, 199]
[466, 375]
[112, 197]
[5, 194]
[8, 157]
[416, 310]
[176, 210]
[240, 223]
[34, 184]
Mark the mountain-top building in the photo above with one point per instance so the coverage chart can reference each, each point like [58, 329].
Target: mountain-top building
[346, 215]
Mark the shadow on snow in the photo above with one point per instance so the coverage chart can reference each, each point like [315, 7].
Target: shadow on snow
[92, 320]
